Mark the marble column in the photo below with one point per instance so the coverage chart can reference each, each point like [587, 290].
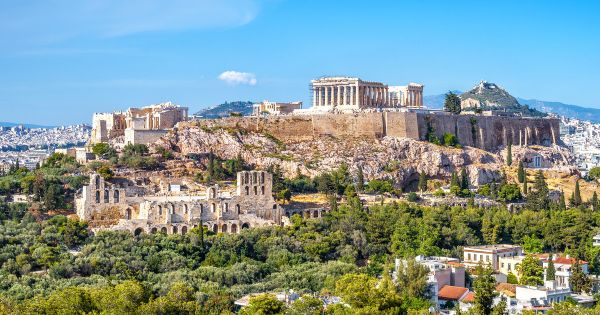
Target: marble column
[344, 95]
[314, 97]
[355, 95]
[339, 95]
[326, 102]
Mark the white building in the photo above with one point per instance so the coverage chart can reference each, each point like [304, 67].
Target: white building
[489, 254]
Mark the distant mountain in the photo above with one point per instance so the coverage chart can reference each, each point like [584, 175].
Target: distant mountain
[30, 126]
[225, 109]
[437, 101]
[571, 111]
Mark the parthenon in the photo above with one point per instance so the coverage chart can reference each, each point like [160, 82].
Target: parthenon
[350, 93]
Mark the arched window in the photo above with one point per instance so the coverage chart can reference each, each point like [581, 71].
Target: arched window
[106, 196]
[226, 207]
[246, 178]
[237, 209]
[215, 228]
[138, 231]
[211, 193]
[97, 196]
[163, 230]
[128, 214]
[174, 230]
[153, 231]
[233, 228]
[262, 190]
[254, 178]
[255, 190]
[245, 226]
[247, 190]
[262, 177]
[97, 180]
[171, 209]
[116, 196]
[224, 228]
[201, 208]
[185, 209]
[184, 230]
[213, 207]
[159, 210]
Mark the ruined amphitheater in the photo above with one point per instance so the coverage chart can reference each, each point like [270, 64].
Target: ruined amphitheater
[120, 204]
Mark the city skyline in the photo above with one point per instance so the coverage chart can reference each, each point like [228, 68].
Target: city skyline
[62, 61]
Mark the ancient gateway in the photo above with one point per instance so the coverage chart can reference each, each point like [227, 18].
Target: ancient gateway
[353, 94]
[121, 205]
[137, 125]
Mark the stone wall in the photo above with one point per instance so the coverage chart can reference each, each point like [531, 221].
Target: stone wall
[485, 132]
[140, 136]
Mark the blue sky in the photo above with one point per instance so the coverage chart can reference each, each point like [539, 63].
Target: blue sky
[61, 60]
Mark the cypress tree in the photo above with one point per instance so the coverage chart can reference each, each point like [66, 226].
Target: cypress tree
[538, 198]
[422, 182]
[525, 188]
[550, 271]
[576, 195]
[464, 179]
[509, 154]
[561, 202]
[360, 179]
[454, 180]
[522, 176]
[594, 202]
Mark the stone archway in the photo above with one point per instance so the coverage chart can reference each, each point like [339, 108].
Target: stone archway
[316, 214]
[163, 230]
[246, 225]
[215, 228]
[233, 228]
[154, 230]
[174, 230]
[184, 230]
[224, 228]
[138, 231]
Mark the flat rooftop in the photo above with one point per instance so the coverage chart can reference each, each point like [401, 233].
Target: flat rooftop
[494, 247]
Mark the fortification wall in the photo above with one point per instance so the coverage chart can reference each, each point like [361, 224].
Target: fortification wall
[139, 136]
[486, 132]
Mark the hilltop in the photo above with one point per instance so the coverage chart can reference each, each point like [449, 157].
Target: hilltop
[490, 96]
[225, 109]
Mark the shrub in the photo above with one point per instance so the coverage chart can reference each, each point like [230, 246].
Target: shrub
[412, 197]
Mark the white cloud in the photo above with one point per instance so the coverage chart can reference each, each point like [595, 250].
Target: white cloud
[235, 77]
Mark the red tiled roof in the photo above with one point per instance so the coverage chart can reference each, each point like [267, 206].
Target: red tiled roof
[451, 293]
[506, 287]
[568, 261]
[469, 298]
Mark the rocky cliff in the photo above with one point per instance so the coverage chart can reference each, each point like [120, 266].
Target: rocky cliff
[399, 159]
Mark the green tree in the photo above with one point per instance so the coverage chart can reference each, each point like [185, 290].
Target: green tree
[550, 270]
[538, 198]
[509, 192]
[450, 140]
[284, 195]
[360, 180]
[576, 197]
[422, 182]
[594, 203]
[452, 103]
[306, 305]
[264, 304]
[531, 271]
[105, 172]
[521, 175]
[525, 188]
[509, 154]
[562, 205]
[532, 244]
[464, 179]
[103, 150]
[579, 281]
[484, 287]
[594, 173]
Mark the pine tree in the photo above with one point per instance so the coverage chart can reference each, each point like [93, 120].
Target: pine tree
[550, 271]
[521, 173]
[422, 182]
[464, 179]
[579, 282]
[594, 202]
[452, 103]
[360, 180]
[509, 154]
[576, 195]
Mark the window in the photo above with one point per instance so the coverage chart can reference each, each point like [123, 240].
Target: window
[255, 190]
[247, 191]
[97, 196]
[106, 196]
[159, 210]
[262, 190]
[487, 258]
[262, 177]
[508, 266]
[254, 178]
[97, 180]
[502, 265]
[116, 196]
[226, 207]
[213, 207]
[468, 256]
